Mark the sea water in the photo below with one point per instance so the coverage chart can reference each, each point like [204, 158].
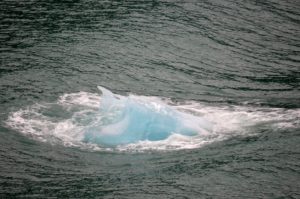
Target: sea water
[198, 99]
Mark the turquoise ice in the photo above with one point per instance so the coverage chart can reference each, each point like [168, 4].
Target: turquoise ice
[130, 119]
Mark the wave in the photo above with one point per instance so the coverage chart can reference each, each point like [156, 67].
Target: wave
[115, 122]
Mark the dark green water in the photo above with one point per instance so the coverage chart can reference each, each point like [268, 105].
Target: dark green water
[235, 63]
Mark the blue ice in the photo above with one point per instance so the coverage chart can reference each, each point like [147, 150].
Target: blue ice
[124, 120]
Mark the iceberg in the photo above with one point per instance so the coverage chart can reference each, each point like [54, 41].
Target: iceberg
[129, 119]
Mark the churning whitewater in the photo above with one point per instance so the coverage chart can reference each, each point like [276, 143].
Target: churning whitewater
[115, 122]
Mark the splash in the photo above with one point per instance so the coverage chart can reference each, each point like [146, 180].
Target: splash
[126, 120]
[140, 123]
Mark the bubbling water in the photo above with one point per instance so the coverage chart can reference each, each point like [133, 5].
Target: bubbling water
[140, 123]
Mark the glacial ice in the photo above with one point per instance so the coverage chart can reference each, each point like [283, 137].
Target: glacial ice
[129, 119]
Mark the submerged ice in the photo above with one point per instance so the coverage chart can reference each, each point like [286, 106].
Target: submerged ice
[130, 119]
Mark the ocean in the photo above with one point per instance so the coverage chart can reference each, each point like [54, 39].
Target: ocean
[149, 99]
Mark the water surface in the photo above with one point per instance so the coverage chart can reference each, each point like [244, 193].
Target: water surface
[236, 64]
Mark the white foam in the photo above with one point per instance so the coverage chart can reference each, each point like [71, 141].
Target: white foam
[80, 110]
[91, 100]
